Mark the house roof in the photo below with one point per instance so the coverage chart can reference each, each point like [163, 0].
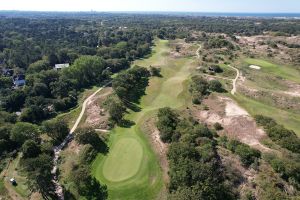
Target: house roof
[59, 66]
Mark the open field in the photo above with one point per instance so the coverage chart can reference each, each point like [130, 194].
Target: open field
[131, 169]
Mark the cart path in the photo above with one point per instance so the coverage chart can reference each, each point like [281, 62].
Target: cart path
[233, 91]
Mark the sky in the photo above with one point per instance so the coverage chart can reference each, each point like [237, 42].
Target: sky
[269, 6]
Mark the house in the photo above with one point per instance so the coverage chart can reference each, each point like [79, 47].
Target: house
[58, 67]
[19, 80]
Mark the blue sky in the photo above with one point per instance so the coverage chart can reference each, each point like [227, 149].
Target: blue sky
[154, 5]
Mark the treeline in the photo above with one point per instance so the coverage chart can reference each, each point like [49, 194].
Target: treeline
[195, 168]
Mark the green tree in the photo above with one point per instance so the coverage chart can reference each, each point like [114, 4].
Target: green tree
[167, 122]
[56, 129]
[23, 131]
[30, 149]
[39, 66]
[87, 185]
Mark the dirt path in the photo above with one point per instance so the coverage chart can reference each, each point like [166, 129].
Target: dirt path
[233, 91]
[58, 149]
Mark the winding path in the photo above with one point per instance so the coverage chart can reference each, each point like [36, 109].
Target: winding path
[70, 136]
[233, 91]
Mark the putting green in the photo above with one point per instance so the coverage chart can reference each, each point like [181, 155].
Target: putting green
[124, 160]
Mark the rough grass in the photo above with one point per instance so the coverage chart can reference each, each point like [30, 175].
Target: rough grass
[146, 182]
[14, 172]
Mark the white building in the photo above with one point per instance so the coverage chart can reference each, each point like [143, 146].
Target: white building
[61, 66]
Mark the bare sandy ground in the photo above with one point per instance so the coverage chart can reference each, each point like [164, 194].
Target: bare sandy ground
[236, 121]
[96, 116]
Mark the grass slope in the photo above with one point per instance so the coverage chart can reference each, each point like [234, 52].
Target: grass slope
[131, 169]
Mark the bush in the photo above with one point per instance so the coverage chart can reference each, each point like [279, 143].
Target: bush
[215, 86]
[218, 126]
[245, 152]
[154, 71]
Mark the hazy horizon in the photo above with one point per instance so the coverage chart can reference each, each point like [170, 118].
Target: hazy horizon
[213, 6]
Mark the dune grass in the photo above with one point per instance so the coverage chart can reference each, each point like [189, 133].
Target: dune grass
[140, 176]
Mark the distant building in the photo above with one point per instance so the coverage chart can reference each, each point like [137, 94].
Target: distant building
[61, 66]
[19, 80]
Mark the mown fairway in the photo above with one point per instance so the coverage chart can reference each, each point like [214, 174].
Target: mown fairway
[131, 169]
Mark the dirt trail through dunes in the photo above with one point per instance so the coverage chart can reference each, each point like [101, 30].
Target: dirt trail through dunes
[233, 91]
[236, 121]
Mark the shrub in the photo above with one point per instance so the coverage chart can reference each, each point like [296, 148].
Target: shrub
[218, 126]
[215, 86]
[167, 122]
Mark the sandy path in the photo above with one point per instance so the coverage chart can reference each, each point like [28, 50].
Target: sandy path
[233, 91]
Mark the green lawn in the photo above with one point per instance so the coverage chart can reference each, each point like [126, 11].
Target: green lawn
[283, 71]
[131, 169]
[128, 160]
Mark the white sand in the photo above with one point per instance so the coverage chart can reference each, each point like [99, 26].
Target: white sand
[254, 67]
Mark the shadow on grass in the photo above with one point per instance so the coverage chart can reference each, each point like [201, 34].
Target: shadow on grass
[101, 147]
[126, 123]
[133, 107]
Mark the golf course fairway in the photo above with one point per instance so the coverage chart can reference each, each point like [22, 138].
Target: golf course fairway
[131, 169]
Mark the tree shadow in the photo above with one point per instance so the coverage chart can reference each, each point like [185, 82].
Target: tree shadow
[101, 146]
[133, 107]
[126, 123]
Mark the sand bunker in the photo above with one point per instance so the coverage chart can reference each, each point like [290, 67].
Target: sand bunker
[254, 67]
